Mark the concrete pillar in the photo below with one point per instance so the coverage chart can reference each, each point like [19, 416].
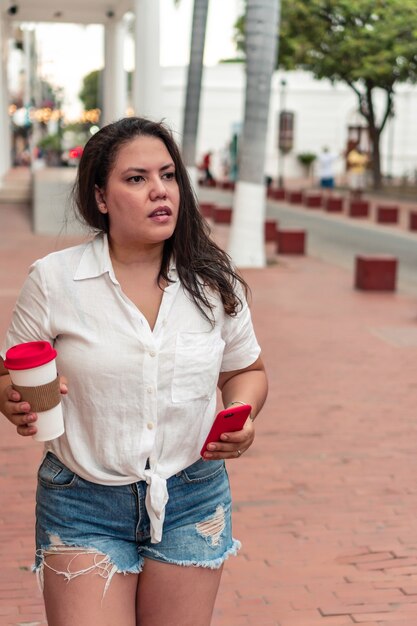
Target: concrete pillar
[28, 76]
[115, 77]
[5, 144]
[32, 93]
[147, 76]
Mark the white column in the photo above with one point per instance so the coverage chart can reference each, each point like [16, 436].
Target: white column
[29, 99]
[5, 144]
[147, 79]
[115, 77]
[247, 239]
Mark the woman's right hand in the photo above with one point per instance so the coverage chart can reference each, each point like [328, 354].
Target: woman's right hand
[18, 412]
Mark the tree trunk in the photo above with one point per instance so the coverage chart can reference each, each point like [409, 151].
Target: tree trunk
[247, 244]
[376, 157]
[367, 110]
[192, 99]
[374, 134]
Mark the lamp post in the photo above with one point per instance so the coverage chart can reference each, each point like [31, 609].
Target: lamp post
[390, 145]
[281, 154]
[285, 133]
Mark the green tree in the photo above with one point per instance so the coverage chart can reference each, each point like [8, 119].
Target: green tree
[370, 45]
[90, 91]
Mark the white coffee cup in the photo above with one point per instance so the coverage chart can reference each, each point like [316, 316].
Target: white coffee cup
[32, 368]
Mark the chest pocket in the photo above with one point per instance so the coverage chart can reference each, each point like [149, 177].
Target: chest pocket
[198, 356]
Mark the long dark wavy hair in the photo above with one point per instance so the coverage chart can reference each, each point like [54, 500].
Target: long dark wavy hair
[200, 263]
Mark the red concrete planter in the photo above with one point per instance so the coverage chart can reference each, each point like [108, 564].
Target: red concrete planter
[375, 273]
[222, 215]
[412, 224]
[359, 208]
[271, 230]
[294, 197]
[207, 208]
[226, 184]
[387, 214]
[333, 205]
[291, 242]
[313, 200]
[207, 183]
[276, 193]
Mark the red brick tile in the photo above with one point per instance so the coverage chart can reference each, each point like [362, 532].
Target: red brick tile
[387, 619]
[326, 494]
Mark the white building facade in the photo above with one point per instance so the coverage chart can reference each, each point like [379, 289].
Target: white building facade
[323, 114]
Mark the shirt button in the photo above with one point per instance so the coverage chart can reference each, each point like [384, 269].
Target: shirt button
[152, 353]
[149, 426]
[149, 390]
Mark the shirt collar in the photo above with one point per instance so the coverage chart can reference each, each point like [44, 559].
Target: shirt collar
[95, 261]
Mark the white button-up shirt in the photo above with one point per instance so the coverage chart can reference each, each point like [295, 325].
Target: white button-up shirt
[136, 397]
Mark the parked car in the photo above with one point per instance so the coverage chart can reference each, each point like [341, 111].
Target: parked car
[72, 156]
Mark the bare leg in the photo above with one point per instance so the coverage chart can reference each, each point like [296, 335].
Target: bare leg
[79, 601]
[172, 594]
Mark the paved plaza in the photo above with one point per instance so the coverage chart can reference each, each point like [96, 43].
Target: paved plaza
[325, 502]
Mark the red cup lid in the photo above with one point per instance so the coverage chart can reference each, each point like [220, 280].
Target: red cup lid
[27, 355]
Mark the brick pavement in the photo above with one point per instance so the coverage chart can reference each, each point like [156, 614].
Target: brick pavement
[325, 503]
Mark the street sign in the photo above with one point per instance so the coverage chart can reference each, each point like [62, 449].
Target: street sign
[286, 131]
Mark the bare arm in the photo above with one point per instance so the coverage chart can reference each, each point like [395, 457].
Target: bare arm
[249, 386]
[16, 411]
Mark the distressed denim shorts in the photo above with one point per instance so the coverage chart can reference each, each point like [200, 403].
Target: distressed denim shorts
[111, 522]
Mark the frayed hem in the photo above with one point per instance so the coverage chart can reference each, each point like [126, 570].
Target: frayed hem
[35, 569]
[104, 567]
[153, 554]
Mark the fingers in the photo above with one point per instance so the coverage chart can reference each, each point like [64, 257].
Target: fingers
[12, 394]
[23, 419]
[216, 451]
[26, 430]
[19, 413]
[25, 423]
[231, 446]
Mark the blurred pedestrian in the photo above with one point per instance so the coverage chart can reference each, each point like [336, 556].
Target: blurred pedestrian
[357, 162]
[206, 166]
[326, 161]
[148, 318]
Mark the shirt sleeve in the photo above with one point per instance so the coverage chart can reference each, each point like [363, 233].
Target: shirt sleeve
[242, 348]
[30, 318]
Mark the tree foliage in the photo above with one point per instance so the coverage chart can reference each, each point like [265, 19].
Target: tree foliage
[90, 91]
[367, 44]
[348, 40]
[351, 40]
[90, 94]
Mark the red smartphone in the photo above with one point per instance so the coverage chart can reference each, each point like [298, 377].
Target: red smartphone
[227, 421]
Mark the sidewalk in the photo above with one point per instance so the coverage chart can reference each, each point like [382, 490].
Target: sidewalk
[375, 200]
[325, 503]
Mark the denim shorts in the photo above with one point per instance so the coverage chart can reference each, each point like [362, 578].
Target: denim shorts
[111, 522]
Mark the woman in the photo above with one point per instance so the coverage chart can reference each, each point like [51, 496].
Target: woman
[148, 319]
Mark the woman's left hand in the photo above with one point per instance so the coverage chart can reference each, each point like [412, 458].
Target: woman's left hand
[232, 445]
